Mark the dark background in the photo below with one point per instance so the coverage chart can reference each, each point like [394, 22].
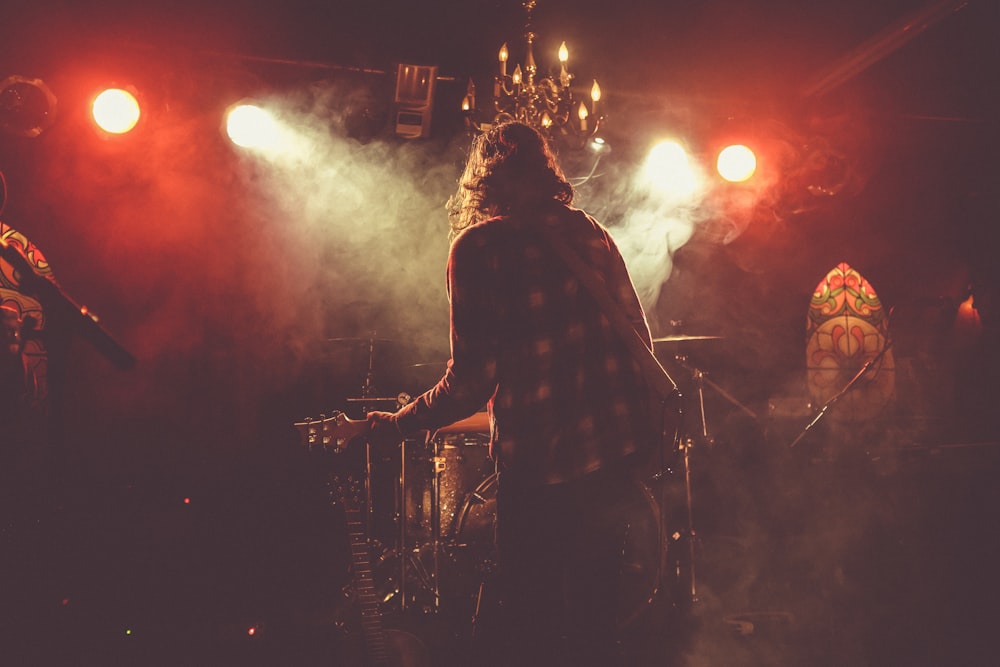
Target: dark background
[226, 277]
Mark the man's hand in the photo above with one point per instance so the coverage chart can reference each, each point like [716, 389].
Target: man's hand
[382, 428]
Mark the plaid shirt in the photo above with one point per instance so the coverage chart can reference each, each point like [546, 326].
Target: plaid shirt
[564, 395]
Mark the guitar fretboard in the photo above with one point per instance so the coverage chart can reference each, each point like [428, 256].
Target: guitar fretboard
[376, 646]
[371, 616]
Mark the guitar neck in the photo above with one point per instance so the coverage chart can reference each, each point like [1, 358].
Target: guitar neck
[376, 646]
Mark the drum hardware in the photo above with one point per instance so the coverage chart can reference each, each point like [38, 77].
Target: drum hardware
[683, 338]
[437, 479]
[382, 399]
[408, 566]
[434, 479]
[686, 441]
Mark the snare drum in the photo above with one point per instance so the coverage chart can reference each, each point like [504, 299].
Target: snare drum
[439, 480]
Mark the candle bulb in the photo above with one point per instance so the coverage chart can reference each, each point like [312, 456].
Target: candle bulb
[517, 76]
[503, 59]
[563, 72]
[582, 113]
[595, 95]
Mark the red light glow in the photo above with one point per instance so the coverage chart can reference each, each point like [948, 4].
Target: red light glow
[736, 163]
[116, 111]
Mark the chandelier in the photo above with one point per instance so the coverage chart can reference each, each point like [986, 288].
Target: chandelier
[546, 103]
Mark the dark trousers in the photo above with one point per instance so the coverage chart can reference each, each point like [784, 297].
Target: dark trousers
[559, 565]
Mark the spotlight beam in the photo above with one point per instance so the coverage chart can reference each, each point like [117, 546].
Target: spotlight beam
[892, 38]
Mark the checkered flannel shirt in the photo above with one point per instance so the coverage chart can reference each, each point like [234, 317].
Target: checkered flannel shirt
[563, 393]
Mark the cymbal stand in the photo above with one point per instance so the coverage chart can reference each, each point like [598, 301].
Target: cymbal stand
[369, 401]
[438, 462]
[410, 561]
[686, 443]
[368, 387]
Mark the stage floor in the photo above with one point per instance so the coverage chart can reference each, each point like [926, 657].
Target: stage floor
[798, 560]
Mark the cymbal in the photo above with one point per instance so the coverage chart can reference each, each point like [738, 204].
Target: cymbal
[373, 399]
[681, 338]
[359, 340]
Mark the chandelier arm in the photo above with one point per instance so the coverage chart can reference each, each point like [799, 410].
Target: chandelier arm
[546, 103]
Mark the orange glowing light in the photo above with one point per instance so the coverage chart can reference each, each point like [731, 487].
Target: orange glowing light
[595, 92]
[116, 111]
[503, 55]
[968, 325]
[736, 163]
[563, 53]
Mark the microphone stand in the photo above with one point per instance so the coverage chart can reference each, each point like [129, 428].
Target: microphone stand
[52, 296]
[836, 397]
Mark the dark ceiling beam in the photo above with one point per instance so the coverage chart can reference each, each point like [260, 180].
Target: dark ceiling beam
[885, 42]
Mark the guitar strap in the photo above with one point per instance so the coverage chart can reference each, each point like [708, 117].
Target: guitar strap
[662, 388]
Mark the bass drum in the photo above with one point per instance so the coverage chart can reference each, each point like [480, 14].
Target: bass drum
[472, 552]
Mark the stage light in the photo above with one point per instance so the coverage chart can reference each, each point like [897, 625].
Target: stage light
[599, 145]
[116, 110]
[415, 85]
[669, 171]
[736, 163]
[249, 126]
[27, 106]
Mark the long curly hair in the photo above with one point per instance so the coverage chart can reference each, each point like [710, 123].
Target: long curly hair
[511, 168]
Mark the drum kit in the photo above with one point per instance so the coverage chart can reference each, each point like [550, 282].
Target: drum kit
[431, 507]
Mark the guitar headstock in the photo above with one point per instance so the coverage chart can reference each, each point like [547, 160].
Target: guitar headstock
[334, 432]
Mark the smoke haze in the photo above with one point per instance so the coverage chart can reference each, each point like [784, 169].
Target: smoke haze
[257, 289]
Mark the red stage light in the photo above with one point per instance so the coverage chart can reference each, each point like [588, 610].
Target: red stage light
[736, 163]
[116, 110]
[27, 106]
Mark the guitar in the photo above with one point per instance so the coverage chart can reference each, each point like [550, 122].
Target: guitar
[332, 433]
[383, 647]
